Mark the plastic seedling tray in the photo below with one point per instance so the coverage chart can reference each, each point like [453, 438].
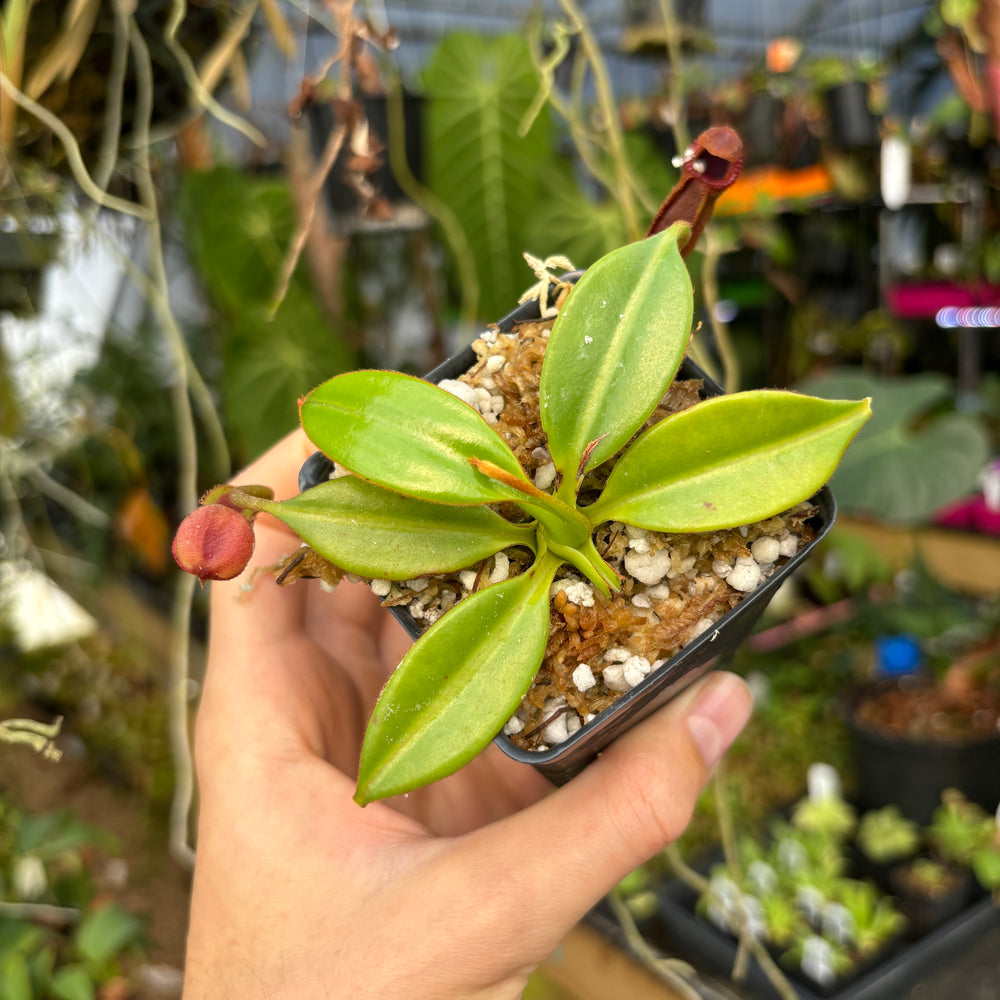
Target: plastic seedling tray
[902, 965]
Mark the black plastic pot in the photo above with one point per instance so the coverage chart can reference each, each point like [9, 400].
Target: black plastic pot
[912, 773]
[852, 125]
[341, 199]
[561, 762]
[761, 128]
[925, 910]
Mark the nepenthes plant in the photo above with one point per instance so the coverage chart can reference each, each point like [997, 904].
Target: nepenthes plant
[433, 488]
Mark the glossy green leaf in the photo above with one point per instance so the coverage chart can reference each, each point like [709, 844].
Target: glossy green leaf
[453, 691]
[729, 460]
[374, 532]
[614, 349]
[71, 982]
[105, 932]
[408, 435]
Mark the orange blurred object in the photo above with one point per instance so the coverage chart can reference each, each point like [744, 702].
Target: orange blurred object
[775, 186]
[782, 54]
[142, 526]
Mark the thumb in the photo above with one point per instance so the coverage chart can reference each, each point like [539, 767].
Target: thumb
[636, 798]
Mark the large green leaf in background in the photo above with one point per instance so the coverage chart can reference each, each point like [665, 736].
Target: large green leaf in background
[477, 91]
[237, 226]
[570, 222]
[907, 462]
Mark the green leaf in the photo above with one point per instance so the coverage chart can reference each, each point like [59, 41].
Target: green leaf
[907, 463]
[19, 936]
[105, 932]
[458, 685]
[986, 865]
[52, 834]
[408, 435]
[477, 91]
[72, 982]
[614, 349]
[15, 979]
[374, 532]
[572, 223]
[729, 460]
[237, 225]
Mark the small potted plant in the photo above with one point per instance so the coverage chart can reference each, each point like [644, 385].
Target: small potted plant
[930, 891]
[791, 893]
[964, 833]
[560, 525]
[931, 728]
[884, 839]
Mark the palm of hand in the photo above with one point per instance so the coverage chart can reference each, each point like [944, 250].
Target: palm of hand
[456, 891]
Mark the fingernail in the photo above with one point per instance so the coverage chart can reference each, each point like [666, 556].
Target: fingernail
[718, 714]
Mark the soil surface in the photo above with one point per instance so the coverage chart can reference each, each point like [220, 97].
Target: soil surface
[919, 709]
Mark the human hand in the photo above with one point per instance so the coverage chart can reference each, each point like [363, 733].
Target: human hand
[456, 891]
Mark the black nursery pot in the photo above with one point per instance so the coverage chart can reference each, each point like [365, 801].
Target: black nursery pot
[912, 773]
[852, 125]
[341, 199]
[561, 762]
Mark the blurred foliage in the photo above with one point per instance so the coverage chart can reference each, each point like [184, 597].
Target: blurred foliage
[583, 224]
[88, 943]
[478, 91]
[571, 223]
[796, 722]
[110, 690]
[237, 226]
[66, 50]
[844, 565]
[914, 456]
[800, 687]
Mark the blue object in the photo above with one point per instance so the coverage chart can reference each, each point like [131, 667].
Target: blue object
[896, 655]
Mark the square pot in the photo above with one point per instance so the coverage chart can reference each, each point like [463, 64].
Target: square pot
[911, 772]
[559, 763]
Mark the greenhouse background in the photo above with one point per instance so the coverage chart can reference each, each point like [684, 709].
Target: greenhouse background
[295, 190]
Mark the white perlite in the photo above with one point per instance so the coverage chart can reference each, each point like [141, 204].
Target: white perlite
[745, 575]
[562, 727]
[766, 550]
[513, 726]
[700, 627]
[647, 567]
[577, 592]
[501, 568]
[638, 540]
[788, 544]
[545, 475]
[625, 675]
[460, 391]
[583, 677]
